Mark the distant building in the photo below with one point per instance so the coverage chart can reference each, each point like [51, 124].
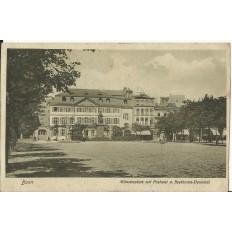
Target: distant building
[177, 100]
[143, 107]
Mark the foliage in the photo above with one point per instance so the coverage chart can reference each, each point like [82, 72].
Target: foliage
[127, 133]
[117, 131]
[31, 75]
[105, 138]
[77, 131]
[126, 138]
[196, 116]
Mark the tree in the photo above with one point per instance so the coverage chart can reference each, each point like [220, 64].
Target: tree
[136, 127]
[77, 131]
[220, 115]
[117, 131]
[31, 75]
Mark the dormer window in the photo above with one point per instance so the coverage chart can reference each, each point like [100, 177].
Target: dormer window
[71, 99]
[100, 100]
[125, 101]
[107, 100]
[63, 98]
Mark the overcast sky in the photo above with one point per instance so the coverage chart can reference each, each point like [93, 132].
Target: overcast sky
[157, 73]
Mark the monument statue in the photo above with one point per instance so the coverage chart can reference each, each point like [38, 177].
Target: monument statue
[100, 117]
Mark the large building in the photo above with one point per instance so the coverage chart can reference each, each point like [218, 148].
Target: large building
[84, 105]
[117, 107]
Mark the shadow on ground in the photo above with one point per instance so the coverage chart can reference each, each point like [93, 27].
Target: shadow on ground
[57, 167]
[45, 155]
[34, 147]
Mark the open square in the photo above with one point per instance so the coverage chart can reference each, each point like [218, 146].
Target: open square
[118, 159]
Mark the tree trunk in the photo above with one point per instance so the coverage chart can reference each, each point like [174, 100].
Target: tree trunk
[7, 148]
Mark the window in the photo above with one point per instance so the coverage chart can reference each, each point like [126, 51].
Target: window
[107, 100]
[63, 132]
[55, 121]
[165, 114]
[125, 101]
[100, 100]
[146, 111]
[151, 101]
[108, 121]
[86, 120]
[142, 121]
[142, 111]
[79, 109]
[146, 121]
[71, 121]
[92, 120]
[125, 116]
[71, 99]
[63, 109]
[107, 110]
[86, 109]
[78, 120]
[63, 120]
[42, 132]
[151, 110]
[137, 120]
[63, 98]
[158, 114]
[116, 121]
[55, 109]
[92, 132]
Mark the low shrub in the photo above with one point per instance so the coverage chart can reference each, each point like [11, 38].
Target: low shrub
[100, 139]
[126, 138]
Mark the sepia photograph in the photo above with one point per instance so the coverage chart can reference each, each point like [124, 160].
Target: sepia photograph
[129, 112]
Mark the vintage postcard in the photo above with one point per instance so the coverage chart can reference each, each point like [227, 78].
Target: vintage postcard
[115, 117]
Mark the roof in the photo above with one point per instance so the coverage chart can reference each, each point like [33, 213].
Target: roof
[114, 102]
[165, 107]
[114, 92]
[84, 93]
[143, 96]
[93, 93]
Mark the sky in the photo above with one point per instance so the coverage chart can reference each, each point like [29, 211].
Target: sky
[192, 73]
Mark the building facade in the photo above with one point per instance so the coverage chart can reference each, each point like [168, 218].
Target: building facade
[143, 109]
[83, 106]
